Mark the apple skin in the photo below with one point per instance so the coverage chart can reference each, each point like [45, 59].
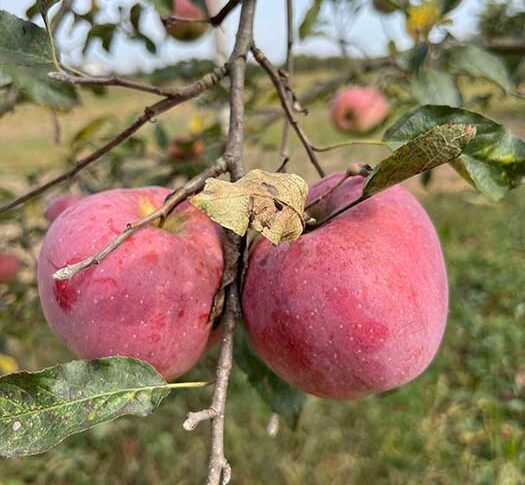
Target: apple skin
[187, 31]
[59, 204]
[359, 109]
[357, 306]
[9, 267]
[150, 298]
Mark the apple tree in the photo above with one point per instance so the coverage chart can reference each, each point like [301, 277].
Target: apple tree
[308, 289]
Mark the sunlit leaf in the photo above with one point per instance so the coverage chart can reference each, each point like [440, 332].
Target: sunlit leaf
[494, 162]
[310, 19]
[435, 147]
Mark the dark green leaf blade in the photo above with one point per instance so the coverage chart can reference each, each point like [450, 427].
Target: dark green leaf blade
[435, 147]
[45, 5]
[25, 58]
[282, 398]
[478, 62]
[38, 410]
[495, 160]
[431, 86]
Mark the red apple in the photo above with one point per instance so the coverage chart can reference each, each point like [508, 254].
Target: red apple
[9, 267]
[357, 306]
[187, 31]
[59, 204]
[359, 109]
[185, 148]
[150, 298]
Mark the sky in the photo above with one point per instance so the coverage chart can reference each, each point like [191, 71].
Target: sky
[369, 35]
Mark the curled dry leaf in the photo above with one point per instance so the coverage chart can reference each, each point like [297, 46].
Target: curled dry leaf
[270, 203]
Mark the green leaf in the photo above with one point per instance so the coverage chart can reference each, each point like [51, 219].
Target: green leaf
[93, 131]
[44, 5]
[310, 19]
[39, 410]
[435, 147]
[431, 86]
[282, 398]
[477, 62]
[25, 58]
[164, 7]
[134, 15]
[494, 162]
[161, 137]
[448, 5]
[104, 32]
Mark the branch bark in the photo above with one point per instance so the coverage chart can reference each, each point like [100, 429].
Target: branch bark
[112, 81]
[287, 107]
[289, 65]
[150, 113]
[218, 465]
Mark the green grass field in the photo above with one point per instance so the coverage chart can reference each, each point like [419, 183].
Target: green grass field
[462, 422]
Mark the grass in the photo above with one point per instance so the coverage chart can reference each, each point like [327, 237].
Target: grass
[461, 422]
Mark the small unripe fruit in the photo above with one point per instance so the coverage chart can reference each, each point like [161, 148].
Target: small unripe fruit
[187, 31]
[59, 204]
[9, 267]
[150, 298]
[359, 109]
[357, 306]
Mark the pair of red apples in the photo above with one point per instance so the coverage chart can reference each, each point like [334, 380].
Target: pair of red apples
[356, 306]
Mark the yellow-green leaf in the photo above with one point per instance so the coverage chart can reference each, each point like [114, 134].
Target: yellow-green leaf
[270, 203]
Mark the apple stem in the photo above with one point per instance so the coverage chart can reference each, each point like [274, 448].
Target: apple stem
[354, 169]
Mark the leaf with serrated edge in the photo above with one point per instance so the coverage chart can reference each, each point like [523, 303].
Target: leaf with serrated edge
[495, 160]
[437, 146]
[38, 410]
[270, 203]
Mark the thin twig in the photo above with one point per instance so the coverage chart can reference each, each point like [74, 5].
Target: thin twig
[353, 170]
[342, 144]
[288, 109]
[191, 187]
[289, 65]
[150, 113]
[112, 81]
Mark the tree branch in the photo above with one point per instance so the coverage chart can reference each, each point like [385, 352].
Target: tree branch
[112, 81]
[218, 465]
[288, 109]
[174, 199]
[150, 112]
[289, 65]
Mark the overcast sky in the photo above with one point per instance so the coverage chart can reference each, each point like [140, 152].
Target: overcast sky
[369, 33]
